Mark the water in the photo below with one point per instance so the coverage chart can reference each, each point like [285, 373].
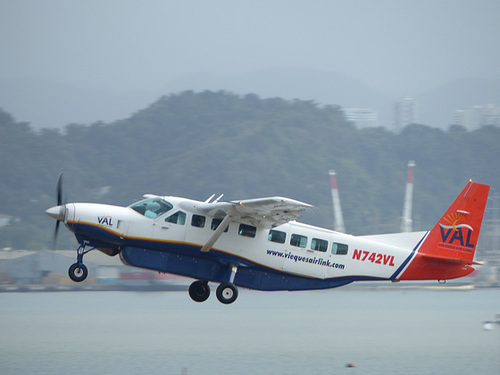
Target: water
[319, 332]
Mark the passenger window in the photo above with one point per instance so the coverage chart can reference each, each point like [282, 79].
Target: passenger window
[277, 236]
[319, 245]
[178, 218]
[198, 221]
[339, 248]
[247, 230]
[215, 224]
[298, 240]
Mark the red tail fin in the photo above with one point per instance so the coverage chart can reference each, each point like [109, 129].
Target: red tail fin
[448, 250]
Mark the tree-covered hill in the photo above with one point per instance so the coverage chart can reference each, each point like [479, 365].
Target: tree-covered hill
[195, 144]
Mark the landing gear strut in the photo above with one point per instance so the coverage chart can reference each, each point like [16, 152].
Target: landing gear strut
[227, 291]
[78, 271]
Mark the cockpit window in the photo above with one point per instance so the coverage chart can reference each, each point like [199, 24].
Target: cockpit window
[152, 207]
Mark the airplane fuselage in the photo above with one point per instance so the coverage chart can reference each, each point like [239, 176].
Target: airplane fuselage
[257, 243]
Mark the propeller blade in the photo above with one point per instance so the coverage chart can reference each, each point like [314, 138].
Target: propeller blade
[55, 235]
[59, 193]
[59, 189]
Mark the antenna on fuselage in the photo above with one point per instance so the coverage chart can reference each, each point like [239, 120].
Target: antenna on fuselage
[338, 223]
[406, 220]
[209, 198]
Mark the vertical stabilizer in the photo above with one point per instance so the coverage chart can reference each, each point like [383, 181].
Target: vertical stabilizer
[406, 221]
[447, 252]
[337, 209]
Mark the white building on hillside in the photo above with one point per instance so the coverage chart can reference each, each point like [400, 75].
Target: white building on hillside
[476, 116]
[362, 117]
[405, 112]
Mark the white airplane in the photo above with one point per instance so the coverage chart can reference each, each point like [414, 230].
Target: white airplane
[257, 244]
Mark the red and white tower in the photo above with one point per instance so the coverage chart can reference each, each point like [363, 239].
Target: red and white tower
[338, 223]
[406, 221]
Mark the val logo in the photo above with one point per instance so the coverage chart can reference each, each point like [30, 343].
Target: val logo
[456, 232]
[105, 220]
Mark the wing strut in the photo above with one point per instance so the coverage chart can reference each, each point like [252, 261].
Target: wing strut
[222, 226]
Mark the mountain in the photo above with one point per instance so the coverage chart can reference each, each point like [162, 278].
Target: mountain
[49, 104]
[294, 83]
[46, 104]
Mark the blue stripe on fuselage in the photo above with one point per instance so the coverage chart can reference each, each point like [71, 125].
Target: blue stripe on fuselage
[403, 265]
[187, 260]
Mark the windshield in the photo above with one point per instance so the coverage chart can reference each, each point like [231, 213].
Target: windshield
[152, 207]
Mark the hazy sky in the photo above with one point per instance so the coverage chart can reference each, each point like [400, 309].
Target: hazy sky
[392, 45]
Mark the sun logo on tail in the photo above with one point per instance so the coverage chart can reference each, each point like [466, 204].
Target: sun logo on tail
[455, 221]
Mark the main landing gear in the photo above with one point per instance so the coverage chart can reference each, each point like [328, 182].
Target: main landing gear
[226, 293]
[199, 291]
[78, 271]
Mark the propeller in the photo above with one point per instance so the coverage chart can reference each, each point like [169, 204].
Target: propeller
[59, 202]
[57, 212]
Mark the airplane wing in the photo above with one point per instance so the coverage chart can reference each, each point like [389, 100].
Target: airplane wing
[260, 212]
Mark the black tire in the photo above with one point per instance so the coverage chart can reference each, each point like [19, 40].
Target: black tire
[199, 291]
[78, 273]
[227, 293]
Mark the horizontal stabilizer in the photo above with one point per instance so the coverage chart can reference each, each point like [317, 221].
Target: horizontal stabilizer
[438, 258]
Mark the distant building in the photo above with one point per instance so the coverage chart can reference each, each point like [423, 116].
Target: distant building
[477, 116]
[362, 117]
[405, 112]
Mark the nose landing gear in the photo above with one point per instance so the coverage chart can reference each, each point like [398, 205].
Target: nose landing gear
[78, 271]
